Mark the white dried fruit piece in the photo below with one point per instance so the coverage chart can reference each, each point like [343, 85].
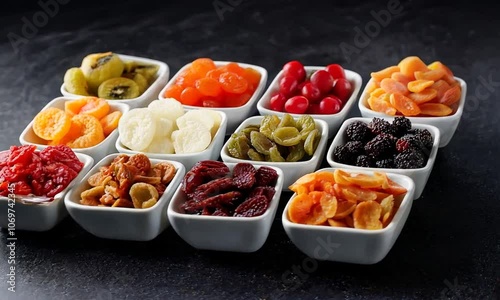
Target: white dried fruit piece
[161, 145]
[196, 115]
[166, 108]
[217, 119]
[137, 128]
[192, 139]
[164, 128]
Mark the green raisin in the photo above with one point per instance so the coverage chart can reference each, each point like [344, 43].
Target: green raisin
[260, 142]
[268, 124]
[247, 130]
[297, 152]
[311, 142]
[275, 155]
[305, 124]
[254, 155]
[287, 121]
[238, 146]
[287, 136]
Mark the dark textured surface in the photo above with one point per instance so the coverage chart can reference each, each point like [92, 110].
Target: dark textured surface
[449, 247]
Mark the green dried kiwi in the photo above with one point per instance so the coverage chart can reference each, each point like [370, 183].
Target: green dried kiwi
[75, 82]
[287, 136]
[260, 142]
[238, 146]
[118, 88]
[141, 81]
[297, 152]
[247, 130]
[99, 67]
[311, 142]
[305, 124]
[129, 67]
[268, 124]
[148, 71]
[275, 155]
[287, 121]
[254, 155]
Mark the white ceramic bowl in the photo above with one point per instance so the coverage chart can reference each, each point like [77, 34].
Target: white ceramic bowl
[43, 216]
[122, 223]
[350, 245]
[150, 94]
[236, 234]
[189, 159]
[419, 176]
[97, 152]
[235, 115]
[334, 120]
[291, 170]
[447, 125]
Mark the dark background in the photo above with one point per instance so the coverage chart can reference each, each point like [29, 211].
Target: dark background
[449, 247]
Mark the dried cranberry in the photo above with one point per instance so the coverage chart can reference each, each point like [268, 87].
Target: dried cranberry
[22, 188]
[21, 154]
[244, 175]
[266, 191]
[212, 188]
[221, 199]
[62, 154]
[191, 181]
[252, 207]
[210, 169]
[266, 176]
[58, 177]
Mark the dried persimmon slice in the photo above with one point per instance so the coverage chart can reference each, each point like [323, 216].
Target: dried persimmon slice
[91, 132]
[51, 124]
[300, 208]
[353, 193]
[387, 205]
[110, 122]
[366, 181]
[96, 107]
[344, 208]
[367, 215]
[328, 204]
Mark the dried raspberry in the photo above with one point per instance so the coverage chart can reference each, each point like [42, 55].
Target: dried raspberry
[252, 207]
[61, 154]
[58, 177]
[191, 181]
[266, 191]
[244, 175]
[212, 188]
[266, 176]
[4, 158]
[21, 154]
[22, 188]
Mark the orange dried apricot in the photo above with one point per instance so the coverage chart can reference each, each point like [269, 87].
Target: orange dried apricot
[400, 77]
[385, 73]
[110, 122]
[190, 96]
[299, 210]
[208, 86]
[74, 132]
[367, 215]
[202, 66]
[377, 92]
[381, 104]
[404, 105]
[91, 132]
[371, 86]
[451, 96]
[448, 74]
[441, 87]
[410, 65]
[95, 107]
[435, 109]
[173, 91]
[73, 107]
[233, 83]
[344, 208]
[187, 78]
[419, 85]
[423, 96]
[215, 73]
[252, 76]
[336, 223]
[234, 68]
[433, 75]
[392, 86]
[51, 124]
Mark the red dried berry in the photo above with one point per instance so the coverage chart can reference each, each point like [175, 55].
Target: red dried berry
[252, 207]
[266, 176]
[190, 207]
[58, 177]
[206, 211]
[221, 212]
[266, 191]
[244, 175]
[221, 199]
[211, 169]
[22, 188]
[191, 181]
[21, 154]
[62, 154]
[212, 188]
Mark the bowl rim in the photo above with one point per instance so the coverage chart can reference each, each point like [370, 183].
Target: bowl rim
[353, 77]
[428, 166]
[69, 202]
[457, 114]
[115, 106]
[255, 96]
[315, 157]
[87, 161]
[272, 207]
[122, 149]
[162, 70]
[406, 203]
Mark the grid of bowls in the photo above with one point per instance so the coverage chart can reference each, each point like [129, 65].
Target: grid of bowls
[122, 223]
[333, 120]
[291, 170]
[235, 115]
[447, 125]
[97, 152]
[419, 176]
[150, 94]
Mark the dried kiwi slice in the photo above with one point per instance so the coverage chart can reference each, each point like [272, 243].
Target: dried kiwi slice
[141, 81]
[148, 71]
[75, 82]
[99, 67]
[118, 88]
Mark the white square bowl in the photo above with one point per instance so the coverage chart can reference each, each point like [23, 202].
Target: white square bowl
[150, 94]
[350, 245]
[419, 176]
[122, 223]
[42, 216]
[188, 159]
[97, 152]
[447, 125]
[235, 234]
[235, 115]
[333, 120]
[291, 170]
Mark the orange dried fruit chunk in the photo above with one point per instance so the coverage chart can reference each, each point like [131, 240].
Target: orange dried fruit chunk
[423, 96]
[233, 83]
[411, 64]
[91, 132]
[234, 68]
[215, 73]
[377, 92]
[394, 188]
[366, 181]
[300, 208]
[400, 77]
[367, 215]
[252, 76]
[73, 107]
[344, 208]
[187, 78]
[441, 87]
[435, 109]
[433, 75]
[371, 86]
[392, 86]
[173, 91]
[325, 176]
[349, 221]
[317, 217]
[328, 204]
[74, 132]
[202, 66]
[404, 105]
[96, 107]
[336, 223]
[208, 86]
[110, 122]
[451, 96]
[448, 74]
[339, 177]
[381, 104]
[355, 194]
[385, 73]
[191, 96]
[51, 124]
[387, 205]
[381, 196]
[419, 85]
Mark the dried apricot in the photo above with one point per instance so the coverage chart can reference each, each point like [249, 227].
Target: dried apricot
[448, 74]
[190, 96]
[252, 76]
[367, 215]
[202, 66]
[419, 85]
[74, 132]
[233, 83]
[410, 65]
[435, 109]
[381, 104]
[400, 77]
[73, 107]
[385, 73]
[233, 68]
[208, 86]
[300, 208]
[344, 208]
[110, 122]
[371, 86]
[433, 75]
[451, 96]
[51, 124]
[404, 105]
[96, 107]
[336, 223]
[187, 79]
[392, 86]
[91, 132]
[423, 96]
[377, 92]
[173, 91]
